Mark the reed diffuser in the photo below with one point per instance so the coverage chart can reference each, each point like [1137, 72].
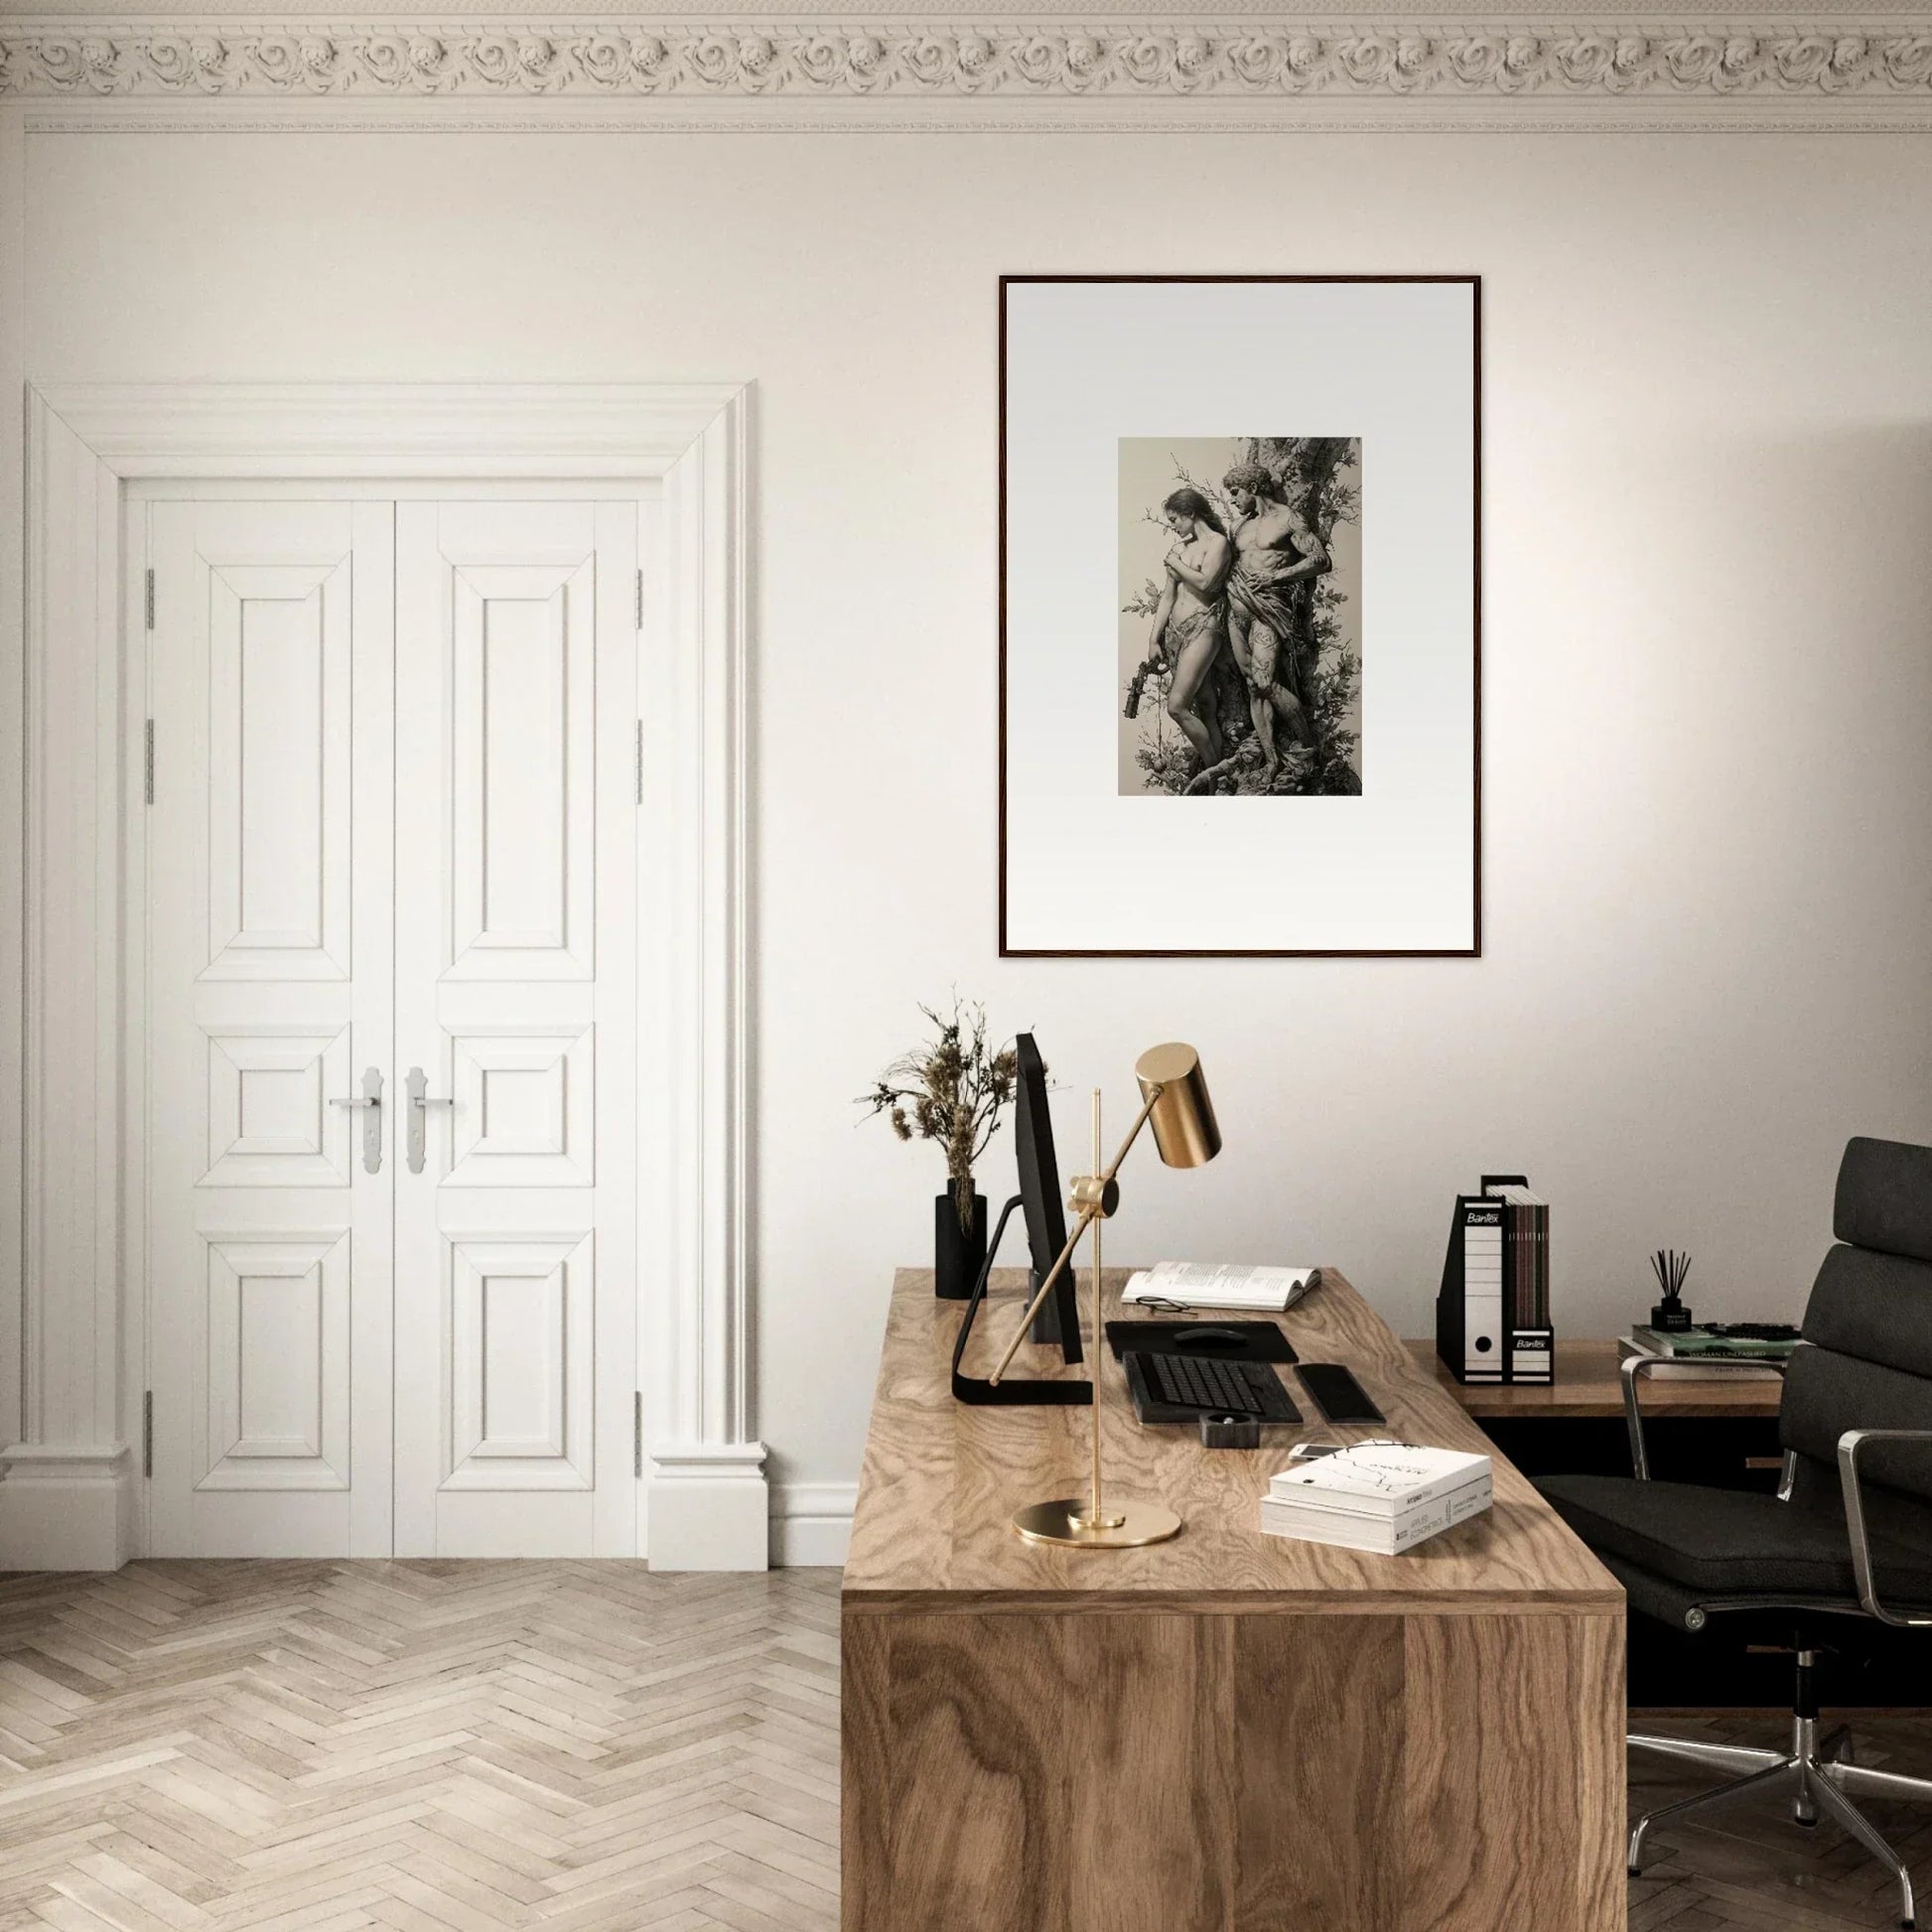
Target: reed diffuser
[1670, 1314]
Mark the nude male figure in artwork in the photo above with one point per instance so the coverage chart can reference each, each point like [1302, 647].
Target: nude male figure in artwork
[1277, 557]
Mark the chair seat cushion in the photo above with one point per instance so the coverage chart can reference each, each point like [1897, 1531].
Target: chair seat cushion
[1730, 1542]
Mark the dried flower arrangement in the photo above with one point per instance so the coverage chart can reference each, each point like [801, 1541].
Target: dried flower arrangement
[951, 1090]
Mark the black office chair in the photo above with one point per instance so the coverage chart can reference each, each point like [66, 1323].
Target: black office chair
[1847, 1540]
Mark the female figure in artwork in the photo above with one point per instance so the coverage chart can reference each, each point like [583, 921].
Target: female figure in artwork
[1190, 620]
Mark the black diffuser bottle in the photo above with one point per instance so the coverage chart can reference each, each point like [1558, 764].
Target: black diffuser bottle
[1670, 1317]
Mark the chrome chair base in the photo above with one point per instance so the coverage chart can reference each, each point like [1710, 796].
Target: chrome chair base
[1818, 1772]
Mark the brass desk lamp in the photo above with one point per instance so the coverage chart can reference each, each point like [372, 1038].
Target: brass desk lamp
[1174, 1098]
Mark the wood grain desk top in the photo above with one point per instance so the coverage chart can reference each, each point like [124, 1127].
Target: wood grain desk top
[1587, 1384]
[941, 1479]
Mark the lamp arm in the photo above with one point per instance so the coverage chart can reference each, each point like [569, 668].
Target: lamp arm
[1133, 1133]
[1088, 1215]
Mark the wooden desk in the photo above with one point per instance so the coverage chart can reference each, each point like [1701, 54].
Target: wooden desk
[1587, 1385]
[1227, 1732]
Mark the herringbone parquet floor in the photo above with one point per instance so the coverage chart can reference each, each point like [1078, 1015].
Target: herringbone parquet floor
[462, 1747]
[433, 1746]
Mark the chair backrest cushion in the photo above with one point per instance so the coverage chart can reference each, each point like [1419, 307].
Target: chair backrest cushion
[1869, 1325]
[1885, 1197]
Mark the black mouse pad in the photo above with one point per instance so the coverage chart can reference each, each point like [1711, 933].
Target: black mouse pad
[1221, 1341]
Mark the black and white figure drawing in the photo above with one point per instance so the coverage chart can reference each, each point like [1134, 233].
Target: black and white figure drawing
[1240, 627]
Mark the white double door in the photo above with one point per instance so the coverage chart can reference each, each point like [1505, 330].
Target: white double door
[390, 1104]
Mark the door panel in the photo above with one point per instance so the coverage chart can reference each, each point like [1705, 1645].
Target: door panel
[525, 1107]
[278, 1393]
[521, 1309]
[523, 819]
[515, 980]
[269, 993]
[278, 779]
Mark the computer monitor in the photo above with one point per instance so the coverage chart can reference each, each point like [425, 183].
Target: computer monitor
[1039, 1195]
[1038, 1200]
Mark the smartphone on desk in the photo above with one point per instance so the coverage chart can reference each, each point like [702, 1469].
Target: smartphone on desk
[1341, 1398]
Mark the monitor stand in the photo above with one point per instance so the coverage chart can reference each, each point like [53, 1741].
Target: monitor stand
[1014, 1391]
[1046, 1323]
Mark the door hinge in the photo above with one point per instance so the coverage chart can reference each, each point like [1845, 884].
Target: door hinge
[637, 1433]
[150, 599]
[641, 760]
[147, 763]
[147, 1434]
[640, 597]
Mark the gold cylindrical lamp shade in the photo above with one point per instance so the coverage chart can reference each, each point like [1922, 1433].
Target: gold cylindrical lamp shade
[1183, 1116]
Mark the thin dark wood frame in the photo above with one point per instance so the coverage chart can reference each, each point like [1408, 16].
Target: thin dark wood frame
[1475, 950]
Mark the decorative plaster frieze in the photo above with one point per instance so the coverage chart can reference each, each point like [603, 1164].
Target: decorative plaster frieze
[1181, 61]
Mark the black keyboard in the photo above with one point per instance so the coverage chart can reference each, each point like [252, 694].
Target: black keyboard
[1189, 1386]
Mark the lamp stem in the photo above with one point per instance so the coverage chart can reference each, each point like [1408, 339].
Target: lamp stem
[1088, 1215]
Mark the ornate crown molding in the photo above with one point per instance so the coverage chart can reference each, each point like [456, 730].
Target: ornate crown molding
[1881, 67]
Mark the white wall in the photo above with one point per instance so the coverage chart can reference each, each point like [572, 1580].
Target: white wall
[1707, 798]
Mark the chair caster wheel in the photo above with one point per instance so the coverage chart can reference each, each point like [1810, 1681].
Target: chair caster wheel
[1633, 1871]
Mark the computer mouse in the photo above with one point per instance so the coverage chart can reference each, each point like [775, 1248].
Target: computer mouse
[1210, 1338]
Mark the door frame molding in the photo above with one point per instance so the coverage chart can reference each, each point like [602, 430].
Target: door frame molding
[73, 1353]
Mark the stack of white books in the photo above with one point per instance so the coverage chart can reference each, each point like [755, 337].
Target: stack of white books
[1218, 1285]
[1381, 1496]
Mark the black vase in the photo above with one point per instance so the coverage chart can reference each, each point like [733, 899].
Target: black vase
[958, 1254]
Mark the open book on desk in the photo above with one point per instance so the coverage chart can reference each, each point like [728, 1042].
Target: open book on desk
[1220, 1285]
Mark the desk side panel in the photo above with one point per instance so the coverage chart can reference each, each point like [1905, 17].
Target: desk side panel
[1513, 1773]
[865, 1758]
[1164, 1773]
[1319, 1729]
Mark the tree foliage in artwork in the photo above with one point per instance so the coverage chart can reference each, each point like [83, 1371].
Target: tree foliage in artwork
[1320, 659]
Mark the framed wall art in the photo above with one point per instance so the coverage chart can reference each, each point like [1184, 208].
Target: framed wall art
[1240, 615]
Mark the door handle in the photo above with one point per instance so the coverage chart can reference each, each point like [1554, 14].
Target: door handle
[370, 1098]
[420, 1102]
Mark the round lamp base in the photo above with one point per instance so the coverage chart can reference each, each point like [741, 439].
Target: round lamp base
[1130, 1525]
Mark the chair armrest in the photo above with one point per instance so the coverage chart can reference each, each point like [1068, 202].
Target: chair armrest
[1848, 1445]
[1633, 1368]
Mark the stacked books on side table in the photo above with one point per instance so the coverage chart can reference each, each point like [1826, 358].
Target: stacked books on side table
[1381, 1496]
[1708, 1353]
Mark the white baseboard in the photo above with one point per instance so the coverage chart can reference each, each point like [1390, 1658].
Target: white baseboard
[811, 1523]
[66, 1506]
[74, 1509]
[709, 1507]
